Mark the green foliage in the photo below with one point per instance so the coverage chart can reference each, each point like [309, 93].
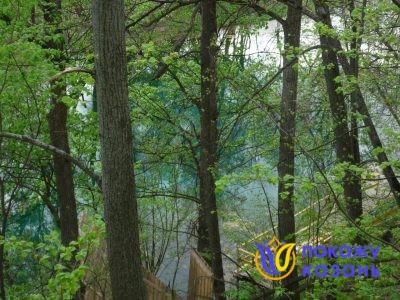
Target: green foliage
[164, 93]
[245, 291]
[57, 270]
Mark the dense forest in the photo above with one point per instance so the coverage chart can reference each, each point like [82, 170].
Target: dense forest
[199, 149]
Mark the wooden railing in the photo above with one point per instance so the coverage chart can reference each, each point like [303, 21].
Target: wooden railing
[155, 290]
[200, 278]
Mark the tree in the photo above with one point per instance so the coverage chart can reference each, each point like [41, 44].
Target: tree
[57, 120]
[287, 130]
[343, 139]
[375, 140]
[209, 141]
[118, 180]
[211, 121]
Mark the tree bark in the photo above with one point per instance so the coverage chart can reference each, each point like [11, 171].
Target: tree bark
[209, 140]
[203, 244]
[116, 138]
[286, 220]
[57, 120]
[352, 193]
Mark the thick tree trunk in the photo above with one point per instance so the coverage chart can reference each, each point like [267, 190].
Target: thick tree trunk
[286, 220]
[117, 151]
[209, 140]
[352, 193]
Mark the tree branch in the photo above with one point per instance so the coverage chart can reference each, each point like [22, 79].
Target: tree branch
[304, 10]
[71, 70]
[259, 9]
[34, 142]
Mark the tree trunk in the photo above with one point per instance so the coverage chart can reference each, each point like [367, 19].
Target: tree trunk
[57, 119]
[374, 138]
[203, 244]
[352, 193]
[369, 124]
[382, 157]
[209, 140]
[116, 138]
[355, 210]
[286, 220]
